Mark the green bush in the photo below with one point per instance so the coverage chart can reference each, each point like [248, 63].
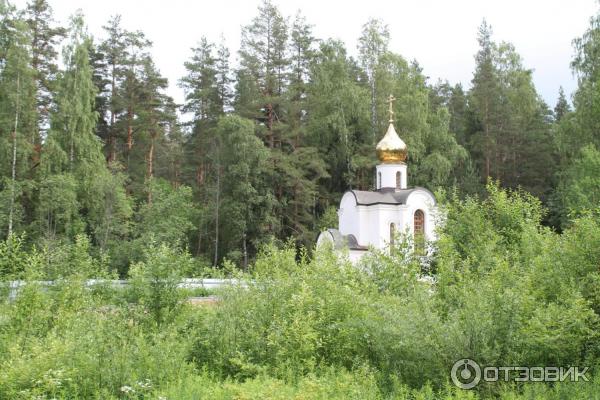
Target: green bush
[154, 280]
[73, 343]
[315, 327]
[66, 259]
[15, 259]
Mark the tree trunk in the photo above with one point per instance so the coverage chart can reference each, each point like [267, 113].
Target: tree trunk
[200, 234]
[71, 149]
[150, 168]
[245, 248]
[129, 132]
[296, 214]
[14, 159]
[35, 62]
[270, 125]
[111, 130]
[487, 142]
[218, 195]
[129, 129]
[176, 173]
[200, 174]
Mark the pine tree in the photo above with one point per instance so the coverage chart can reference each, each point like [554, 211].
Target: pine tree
[44, 39]
[156, 118]
[98, 64]
[301, 57]
[485, 98]
[260, 93]
[303, 167]
[263, 70]
[114, 50]
[129, 93]
[511, 137]
[562, 106]
[202, 87]
[207, 92]
[223, 76]
[524, 145]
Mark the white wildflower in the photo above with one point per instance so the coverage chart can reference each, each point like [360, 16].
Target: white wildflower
[127, 389]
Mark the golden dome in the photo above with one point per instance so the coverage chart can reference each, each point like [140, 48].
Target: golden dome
[391, 149]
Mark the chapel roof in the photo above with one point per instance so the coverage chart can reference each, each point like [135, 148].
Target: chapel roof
[391, 149]
[345, 241]
[386, 196]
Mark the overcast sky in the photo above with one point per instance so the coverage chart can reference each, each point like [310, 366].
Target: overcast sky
[439, 34]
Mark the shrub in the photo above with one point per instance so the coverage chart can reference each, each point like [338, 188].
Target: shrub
[15, 259]
[154, 280]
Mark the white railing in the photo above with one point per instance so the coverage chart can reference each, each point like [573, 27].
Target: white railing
[187, 283]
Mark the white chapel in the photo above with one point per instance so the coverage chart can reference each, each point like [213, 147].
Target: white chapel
[371, 219]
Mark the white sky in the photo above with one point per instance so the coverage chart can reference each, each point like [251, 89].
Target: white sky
[439, 34]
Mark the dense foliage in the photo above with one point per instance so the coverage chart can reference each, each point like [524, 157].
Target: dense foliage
[507, 291]
[265, 147]
[103, 176]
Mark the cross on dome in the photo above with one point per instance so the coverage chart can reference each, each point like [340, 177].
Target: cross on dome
[391, 149]
[391, 100]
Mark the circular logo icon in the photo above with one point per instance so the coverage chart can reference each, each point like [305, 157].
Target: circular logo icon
[466, 373]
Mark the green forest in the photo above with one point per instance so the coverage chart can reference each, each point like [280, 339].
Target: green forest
[104, 176]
